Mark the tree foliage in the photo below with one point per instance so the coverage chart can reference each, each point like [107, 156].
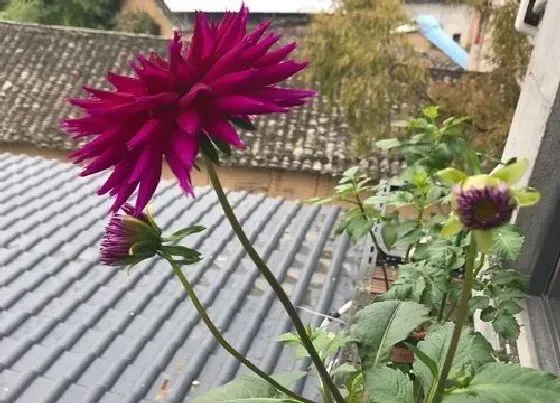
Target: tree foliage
[357, 57]
[82, 13]
[138, 22]
[491, 97]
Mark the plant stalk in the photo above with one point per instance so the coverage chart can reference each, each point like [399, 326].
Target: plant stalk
[462, 317]
[273, 282]
[221, 340]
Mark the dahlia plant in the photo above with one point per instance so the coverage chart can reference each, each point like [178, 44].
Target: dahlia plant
[185, 110]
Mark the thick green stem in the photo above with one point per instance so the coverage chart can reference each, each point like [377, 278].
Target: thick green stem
[462, 316]
[327, 381]
[220, 339]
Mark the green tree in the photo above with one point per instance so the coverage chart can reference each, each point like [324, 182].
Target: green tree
[357, 56]
[138, 22]
[82, 13]
[490, 98]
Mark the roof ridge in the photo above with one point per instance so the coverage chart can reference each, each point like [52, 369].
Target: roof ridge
[79, 29]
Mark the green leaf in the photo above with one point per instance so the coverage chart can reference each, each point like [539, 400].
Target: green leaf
[451, 176]
[431, 112]
[506, 326]
[526, 197]
[178, 235]
[484, 239]
[386, 385]
[243, 124]
[389, 234]
[435, 346]
[243, 389]
[479, 302]
[388, 143]
[508, 242]
[381, 325]
[345, 368]
[409, 238]
[507, 383]
[511, 173]
[422, 356]
[189, 255]
[289, 338]
[510, 307]
[143, 249]
[288, 378]
[451, 227]
[488, 314]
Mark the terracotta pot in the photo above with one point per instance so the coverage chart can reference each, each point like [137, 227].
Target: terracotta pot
[400, 354]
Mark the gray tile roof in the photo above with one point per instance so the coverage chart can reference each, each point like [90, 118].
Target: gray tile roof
[41, 66]
[74, 331]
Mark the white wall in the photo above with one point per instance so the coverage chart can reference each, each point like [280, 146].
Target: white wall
[453, 18]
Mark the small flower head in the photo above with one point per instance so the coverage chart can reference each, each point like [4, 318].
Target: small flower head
[483, 202]
[129, 238]
[170, 108]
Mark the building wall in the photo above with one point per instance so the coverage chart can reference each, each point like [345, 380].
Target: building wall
[454, 19]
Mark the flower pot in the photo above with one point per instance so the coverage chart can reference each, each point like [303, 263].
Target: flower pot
[400, 353]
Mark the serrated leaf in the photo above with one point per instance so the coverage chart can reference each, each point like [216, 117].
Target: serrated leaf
[508, 242]
[288, 378]
[510, 307]
[431, 112]
[488, 314]
[451, 227]
[345, 368]
[435, 346]
[506, 326]
[381, 325]
[389, 233]
[410, 238]
[245, 389]
[386, 385]
[507, 383]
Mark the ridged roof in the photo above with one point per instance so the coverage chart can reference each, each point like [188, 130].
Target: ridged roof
[74, 331]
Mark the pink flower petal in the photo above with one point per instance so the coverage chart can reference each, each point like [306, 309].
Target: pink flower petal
[221, 130]
[231, 82]
[196, 91]
[189, 122]
[277, 72]
[242, 105]
[145, 134]
[149, 182]
[126, 84]
[276, 56]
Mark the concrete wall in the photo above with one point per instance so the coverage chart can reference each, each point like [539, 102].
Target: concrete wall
[535, 134]
[454, 19]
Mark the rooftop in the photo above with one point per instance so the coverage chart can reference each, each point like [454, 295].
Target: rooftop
[72, 330]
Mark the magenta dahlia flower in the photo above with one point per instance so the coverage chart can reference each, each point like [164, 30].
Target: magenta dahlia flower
[129, 238]
[484, 207]
[172, 106]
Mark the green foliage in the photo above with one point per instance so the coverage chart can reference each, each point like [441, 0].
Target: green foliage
[138, 22]
[386, 385]
[81, 13]
[506, 383]
[245, 389]
[472, 352]
[508, 242]
[491, 97]
[326, 343]
[358, 57]
[381, 325]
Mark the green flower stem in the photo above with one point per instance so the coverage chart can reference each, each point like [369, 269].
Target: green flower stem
[273, 282]
[221, 340]
[462, 316]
